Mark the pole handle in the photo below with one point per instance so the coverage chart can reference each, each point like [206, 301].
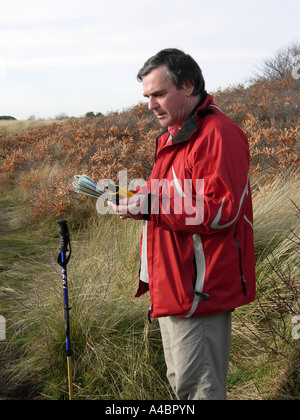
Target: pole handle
[63, 235]
[64, 242]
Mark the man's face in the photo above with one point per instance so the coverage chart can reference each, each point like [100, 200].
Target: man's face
[170, 105]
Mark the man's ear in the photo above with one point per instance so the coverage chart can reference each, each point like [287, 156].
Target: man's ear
[188, 87]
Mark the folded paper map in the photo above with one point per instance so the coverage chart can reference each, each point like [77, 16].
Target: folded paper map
[84, 185]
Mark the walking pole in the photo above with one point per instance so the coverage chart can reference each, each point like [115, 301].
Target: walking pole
[63, 259]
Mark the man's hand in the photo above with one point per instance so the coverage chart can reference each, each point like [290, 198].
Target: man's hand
[127, 207]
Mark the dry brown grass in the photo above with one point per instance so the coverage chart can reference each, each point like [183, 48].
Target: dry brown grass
[12, 126]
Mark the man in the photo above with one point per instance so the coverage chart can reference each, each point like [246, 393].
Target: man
[198, 262]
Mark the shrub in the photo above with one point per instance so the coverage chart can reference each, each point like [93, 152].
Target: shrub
[7, 118]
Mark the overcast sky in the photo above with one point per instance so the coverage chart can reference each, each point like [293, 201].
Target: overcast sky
[76, 56]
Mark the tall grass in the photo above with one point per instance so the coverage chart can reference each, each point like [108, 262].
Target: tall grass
[274, 213]
[265, 357]
[118, 354]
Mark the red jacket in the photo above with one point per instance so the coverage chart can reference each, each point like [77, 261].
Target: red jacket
[197, 249]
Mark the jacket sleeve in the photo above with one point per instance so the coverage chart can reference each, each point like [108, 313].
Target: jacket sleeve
[216, 185]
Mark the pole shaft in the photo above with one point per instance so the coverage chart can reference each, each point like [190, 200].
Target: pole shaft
[63, 260]
[67, 324]
[66, 306]
[70, 379]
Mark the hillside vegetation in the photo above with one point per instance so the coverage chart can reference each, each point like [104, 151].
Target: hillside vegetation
[117, 354]
[41, 162]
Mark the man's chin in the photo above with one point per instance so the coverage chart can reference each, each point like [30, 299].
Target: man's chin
[163, 119]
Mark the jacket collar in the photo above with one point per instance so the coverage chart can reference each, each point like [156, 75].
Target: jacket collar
[190, 125]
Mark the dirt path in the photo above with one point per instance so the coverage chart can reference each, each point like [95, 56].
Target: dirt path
[8, 253]
[22, 248]
[5, 354]
[4, 222]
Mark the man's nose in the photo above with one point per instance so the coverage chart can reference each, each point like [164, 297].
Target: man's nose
[152, 105]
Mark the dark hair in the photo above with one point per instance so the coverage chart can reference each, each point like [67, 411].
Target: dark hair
[179, 68]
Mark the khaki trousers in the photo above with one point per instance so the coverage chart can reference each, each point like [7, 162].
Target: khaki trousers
[197, 355]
